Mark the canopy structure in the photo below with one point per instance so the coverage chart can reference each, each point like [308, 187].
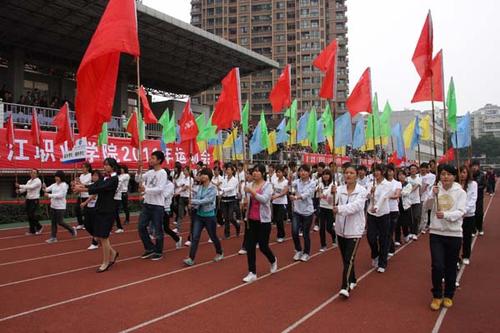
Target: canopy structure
[175, 56]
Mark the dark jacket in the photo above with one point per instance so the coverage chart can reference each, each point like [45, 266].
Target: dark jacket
[480, 179]
[105, 190]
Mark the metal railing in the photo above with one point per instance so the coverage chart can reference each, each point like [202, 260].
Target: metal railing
[22, 115]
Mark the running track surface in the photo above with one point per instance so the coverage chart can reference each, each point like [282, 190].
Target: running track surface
[54, 288]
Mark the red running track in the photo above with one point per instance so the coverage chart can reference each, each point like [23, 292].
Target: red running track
[57, 293]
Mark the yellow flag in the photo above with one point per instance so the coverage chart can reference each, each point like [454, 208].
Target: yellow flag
[425, 128]
[304, 143]
[273, 147]
[408, 133]
[202, 145]
[231, 138]
[329, 139]
[340, 150]
[217, 154]
[293, 138]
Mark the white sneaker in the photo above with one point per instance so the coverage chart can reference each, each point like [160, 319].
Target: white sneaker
[251, 277]
[187, 243]
[51, 240]
[380, 270]
[481, 233]
[80, 227]
[390, 255]
[305, 257]
[301, 234]
[423, 232]
[344, 292]
[297, 256]
[93, 247]
[119, 231]
[218, 257]
[316, 228]
[397, 244]
[178, 245]
[352, 285]
[375, 262]
[280, 240]
[39, 232]
[323, 249]
[414, 237]
[74, 233]
[175, 230]
[242, 251]
[407, 238]
[466, 261]
[210, 240]
[274, 266]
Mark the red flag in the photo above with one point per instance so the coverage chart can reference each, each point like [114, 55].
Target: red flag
[448, 156]
[360, 99]
[394, 159]
[422, 57]
[327, 90]
[133, 129]
[281, 95]
[9, 133]
[149, 117]
[36, 134]
[187, 123]
[62, 122]
[324, 60]
[228, 106]
[423, 92]
[98, 71]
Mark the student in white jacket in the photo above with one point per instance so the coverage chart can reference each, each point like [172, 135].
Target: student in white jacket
[378, 219]
[470, 187]
[446, 235]
[326, 218]
[350, 223]
[32, 189]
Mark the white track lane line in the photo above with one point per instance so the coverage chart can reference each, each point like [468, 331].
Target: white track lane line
[100, 292]
[442, 314]
[211, 298]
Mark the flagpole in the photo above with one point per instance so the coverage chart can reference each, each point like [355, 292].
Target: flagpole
[418, 152]
[334, 116]
[445, 125]
[138, 111]
[438, 208]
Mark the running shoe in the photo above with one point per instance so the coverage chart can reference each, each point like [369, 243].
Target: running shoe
[297, 256]
[51, 240]
[147, 254]
[93, 247]
[156, 256]
[189, 262]
[344, 293]
[218, 257]
[447, 302]
[242, 252]
[305, 257]
[119, 231]
[274, 266]
[436, 304]
[251, 277]
[178, 245]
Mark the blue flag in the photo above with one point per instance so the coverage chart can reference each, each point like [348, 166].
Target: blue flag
[302, 127]
[415, 140]
[359, 134]
[462, 137]
[238, 145]
[177, 134]
[321, 128]
[281, 134]
[256, 141]
[163, 146]
[397, 133]
[216, 141]
[343, 130]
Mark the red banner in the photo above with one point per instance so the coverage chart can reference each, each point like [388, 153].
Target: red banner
[308, 158]
[23, 155]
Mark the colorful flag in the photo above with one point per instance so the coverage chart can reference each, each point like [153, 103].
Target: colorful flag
[281, 135]
[256, 141]
[10, 137]
[422, 56]
[360, 99]
[62, 122]
[281, 94]
[133, 129]
[326, 58]
[229, 142]
[327, 120]
[408, 134]
[103, 136]
[168, 125]
[302, 127]
[373, 126]
[200, 122]
[425, 128]
[385, 121]
[447, 157]
[228, 106]
[98, 71]
[36, 134]
[321, 129]
[327, 90]
[187, 123]
[273, 147]
[149, 116]
[265, 133]
[397, 133]
[451, 103]
[238, 148]
[312, 130]
[291, 127]
[343, 130]
[461, 138]
[431, 85]
[359, 134]
[245, 114]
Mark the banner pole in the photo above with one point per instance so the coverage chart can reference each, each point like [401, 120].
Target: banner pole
[138, 114]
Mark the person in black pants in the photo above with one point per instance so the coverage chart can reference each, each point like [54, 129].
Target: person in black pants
[279, 201]
[32, 189]
[89, 210]
[125, 180]
[326, 217]
[480, 178]
[470, 187]
[404, 206]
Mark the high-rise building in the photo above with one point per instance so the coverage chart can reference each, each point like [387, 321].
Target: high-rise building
[288, 31]
[486, 121]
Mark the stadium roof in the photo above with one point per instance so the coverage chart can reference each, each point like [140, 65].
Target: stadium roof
[175, 56]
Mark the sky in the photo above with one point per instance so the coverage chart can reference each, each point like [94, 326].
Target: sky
[383, 34]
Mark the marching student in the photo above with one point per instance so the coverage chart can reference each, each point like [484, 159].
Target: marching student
[416, 206]
[363, 179]
[204, 203]
[217, 181]
[470, 187]
[228, 190]
[480, 178]
[446, 235]
[89, 209]
[243, 205]
[259, 194]
[349, 224]
[378, 219]
[105, 190]
[85, 178]
[183, 185]
[151, 186]
[316, 176]
[118, 203]
[32, 189]
[303, 211]
[404, 205]
[428, 180]
[124, 179]
[279, 201]
[168, 194]
[57, 193]
[326, 217]
[393, 206]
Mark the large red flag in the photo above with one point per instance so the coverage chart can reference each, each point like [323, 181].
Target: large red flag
[9, 133]
[281, 94]
[149, 117]
[360, 99]
[422, 57]
[36, 134]
[448, 156]
[228, 106]
[324, 60]
[394, 159]
[188, 130]
[133, 129]
[62, 122]
[98, 71]
[435, 75]
[327, 90]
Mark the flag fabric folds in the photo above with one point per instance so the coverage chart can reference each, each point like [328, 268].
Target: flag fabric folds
[373, 124]
[238, 148]
[327, 120]
[359, 134]
[62, 122]
[231, 138]
[272, 147]
[36, 134]
[343, 130]
[265, 133]
[302, 127]
[312, 130]
[187, 123]
[434, 77]
[326, 62]
[291, 114]
[281, 94]
[448, 156]
[149, 117]
[168, 124]
[462, 136]
[103, 136]
[425, 128]
[256, 141]
[411, 134]
[281, 134]
[228, 106]
[321, 129]
[360, 99]
[385, 121]
[245, 114]
[422, 56]
[451, 103]
[98, 71]
[9, 133]
[133, 129]
[397, 133]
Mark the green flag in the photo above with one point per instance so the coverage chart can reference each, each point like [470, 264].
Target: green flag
[327, 120]
[264, 132]
[168, 125]
[245, 114]
[385, 121]
[200, 122]
[210, 130]
[373, 118]
[312, 130]
[451, 103]
[291, 113]
[103, 136]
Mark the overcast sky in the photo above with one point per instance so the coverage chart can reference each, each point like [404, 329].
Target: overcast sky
[383, 34]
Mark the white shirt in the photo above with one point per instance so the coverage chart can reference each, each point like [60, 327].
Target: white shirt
[229, 187]
[325, 191]
[154, 183]
[183, 186]
[427, 183]
[217, 180]
[416, 183]
[123, 179]
[393, 203]
[168, 194]
[57, 195]
[92, 201]
[279, 187]
[365, 182]
[85, 179]
[380, 199]
[32, 187]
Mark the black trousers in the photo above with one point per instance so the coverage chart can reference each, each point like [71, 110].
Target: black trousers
[126, 210]
[228, 209]
[166, 227]
[90, 215]
[444, 255]
[403, 224]
[467, 231]
[258, 233]
[479, 216]
[393, 218]
[326, 219]
[57, 218]
[416, 213]
[348, 248]
[378, 230]
[78, 211]
[117, 214]
[31, 208]
[279, 212]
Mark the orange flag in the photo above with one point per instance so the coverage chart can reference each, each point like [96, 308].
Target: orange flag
[360, 99]
[281, 95]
